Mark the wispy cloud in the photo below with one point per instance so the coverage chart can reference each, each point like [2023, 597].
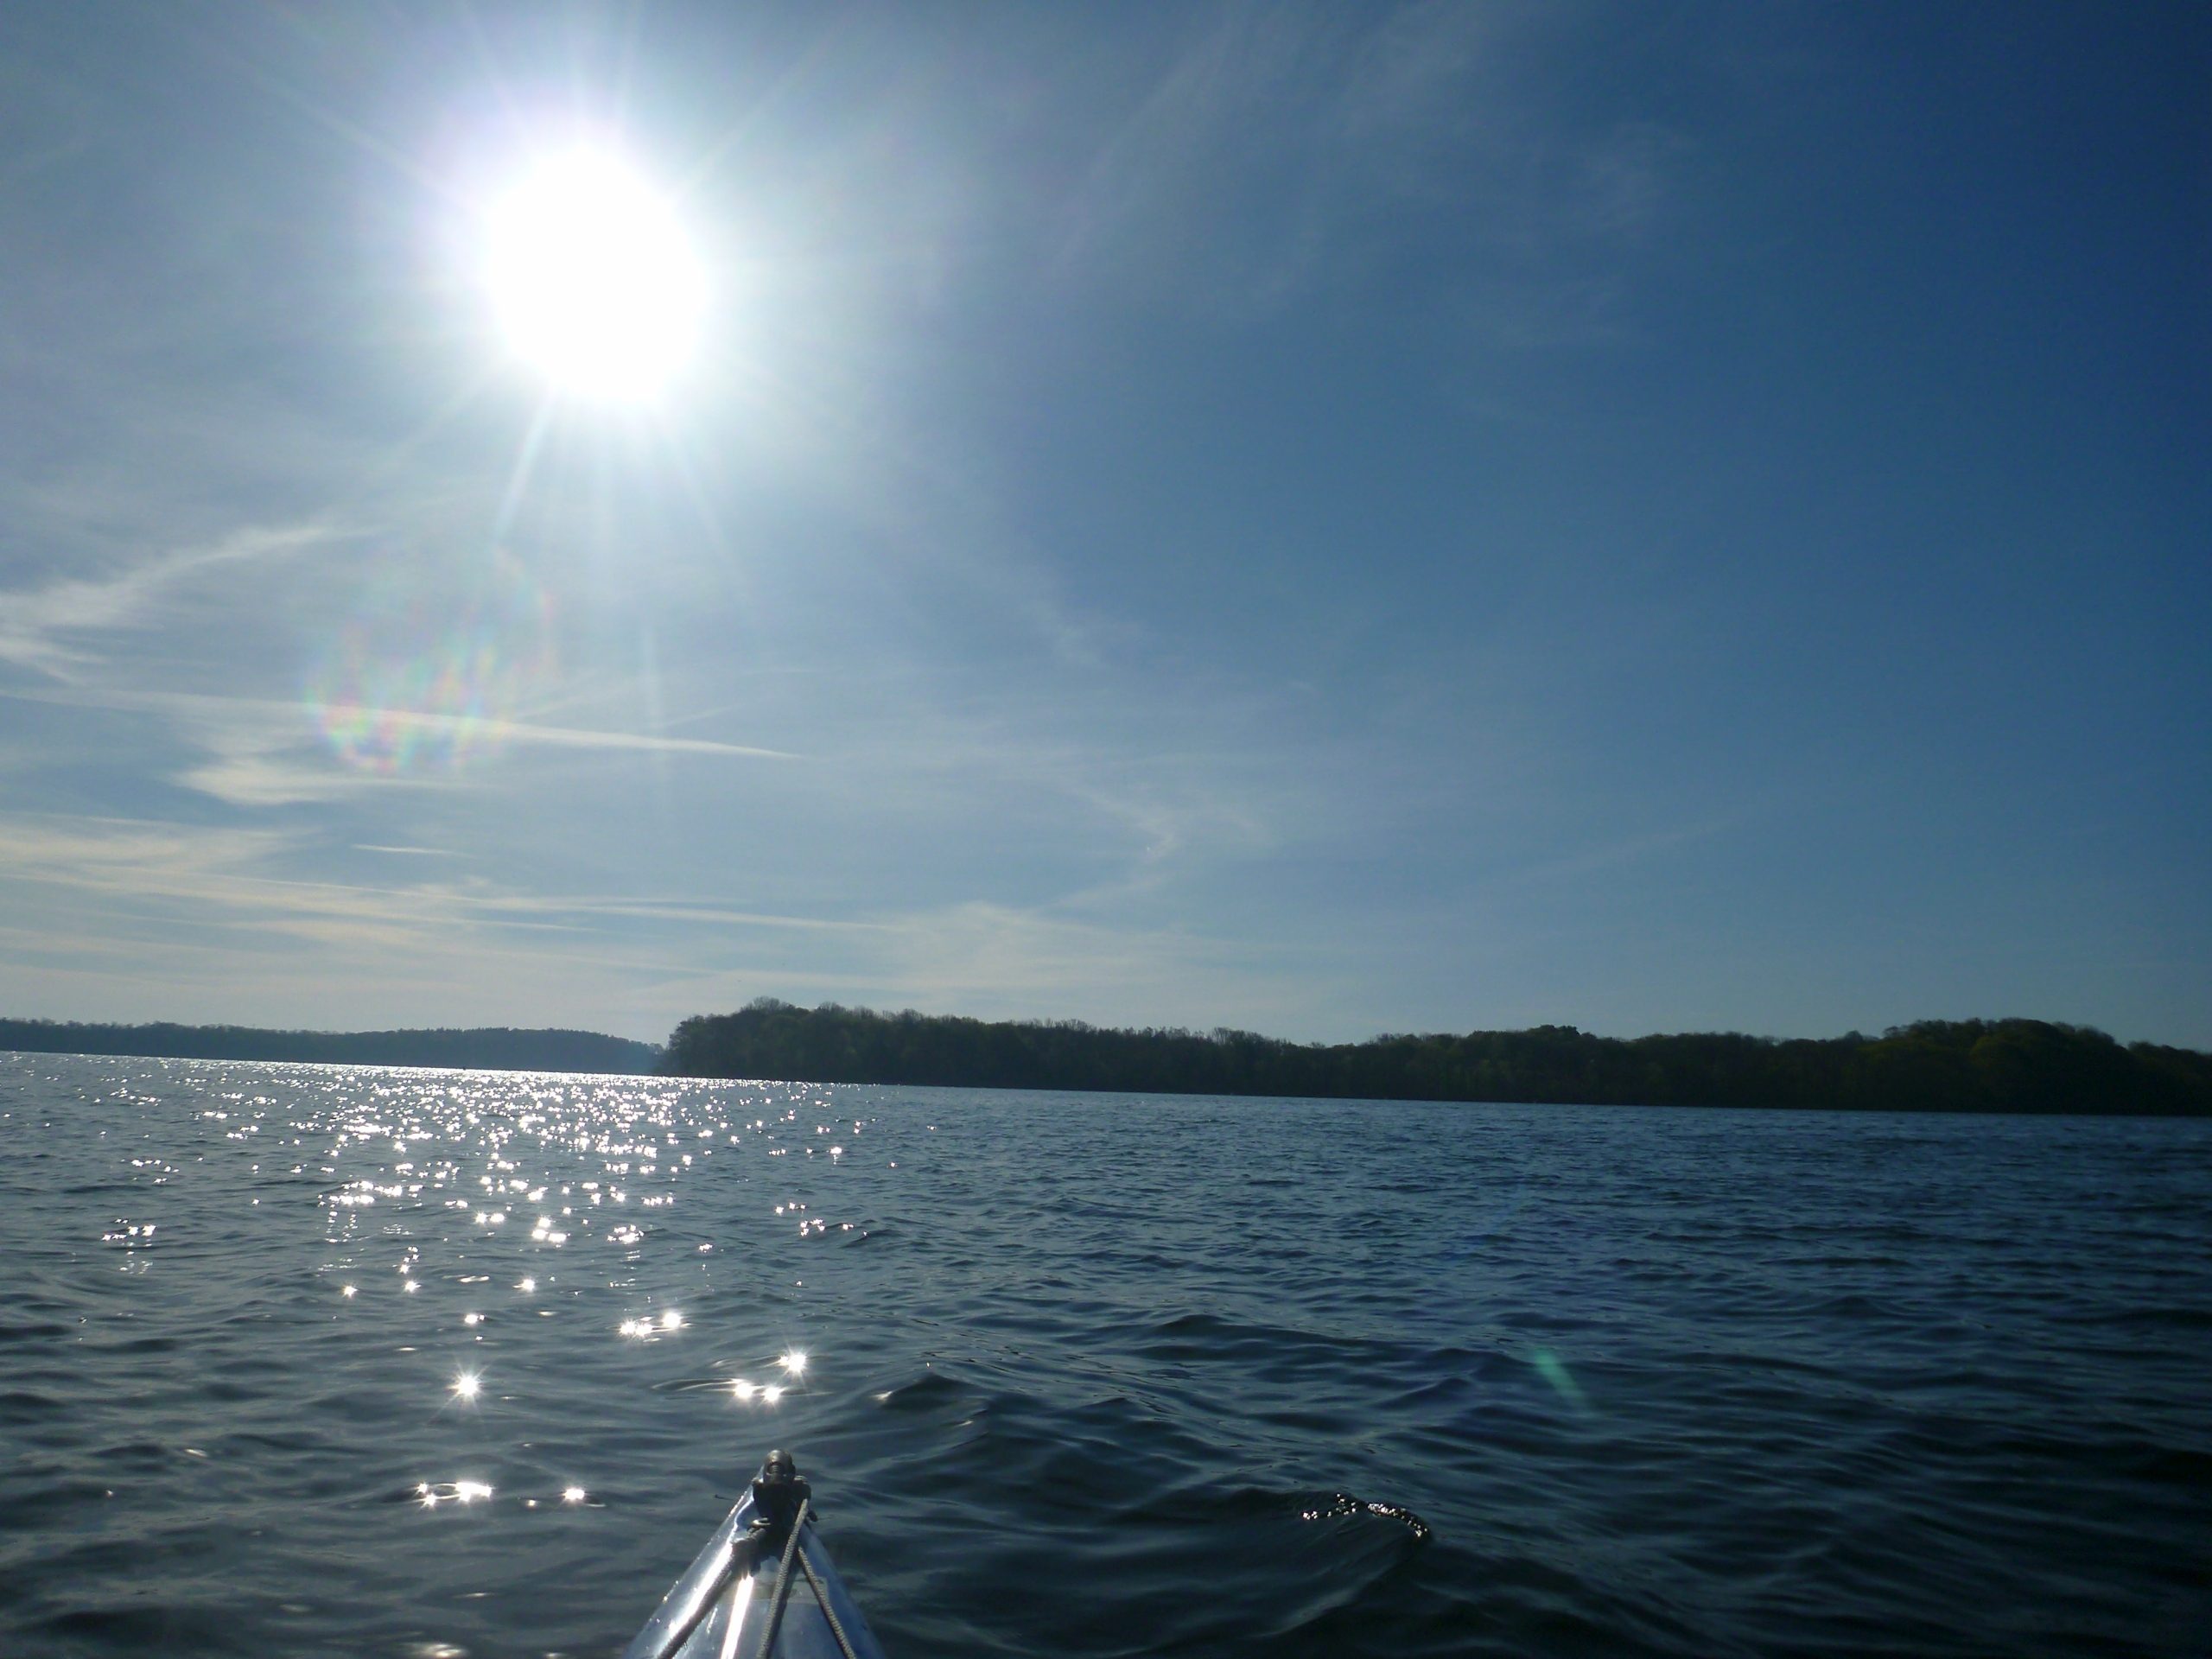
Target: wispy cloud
[268, 752]
[46, 629]
[178, 905]
[1012, 962]
[1284, 149]
[233, 879]
[178, 921]
[1004, 951]
[676, 909]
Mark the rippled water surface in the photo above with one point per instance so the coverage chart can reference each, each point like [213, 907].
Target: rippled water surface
[307, 1359]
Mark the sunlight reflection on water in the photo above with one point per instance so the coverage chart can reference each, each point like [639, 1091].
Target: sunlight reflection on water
[434, 1172]
[1674, 1382]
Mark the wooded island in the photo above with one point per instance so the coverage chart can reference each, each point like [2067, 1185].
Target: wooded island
[1994, 1065]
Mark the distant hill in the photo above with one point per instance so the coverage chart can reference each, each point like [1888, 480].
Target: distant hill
[496, 1049]
[1973, 1065]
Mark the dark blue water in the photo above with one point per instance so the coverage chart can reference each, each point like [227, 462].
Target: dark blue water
[1092, 1375]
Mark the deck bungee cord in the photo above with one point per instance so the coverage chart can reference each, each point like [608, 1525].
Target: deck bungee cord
[747, 1570]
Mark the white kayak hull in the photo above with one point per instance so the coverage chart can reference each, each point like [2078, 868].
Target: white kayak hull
[738, 1593]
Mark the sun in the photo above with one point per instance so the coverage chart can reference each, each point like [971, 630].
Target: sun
[592, 279]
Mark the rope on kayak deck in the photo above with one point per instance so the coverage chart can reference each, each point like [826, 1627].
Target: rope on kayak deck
[782, 1592]
[844, 1641]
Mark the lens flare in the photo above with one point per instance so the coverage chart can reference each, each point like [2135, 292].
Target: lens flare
[426, 676]
[1553, 1370]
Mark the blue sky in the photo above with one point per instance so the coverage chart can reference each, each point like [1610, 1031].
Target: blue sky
[1322, 520]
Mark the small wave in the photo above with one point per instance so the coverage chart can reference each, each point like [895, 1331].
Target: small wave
[925, 1392]
[1338, 1505]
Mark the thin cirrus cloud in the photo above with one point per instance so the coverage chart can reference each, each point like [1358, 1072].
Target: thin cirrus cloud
[179, 882]
[53, 629]
[1340, 147]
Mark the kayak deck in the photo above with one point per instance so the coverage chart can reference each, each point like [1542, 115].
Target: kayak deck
[763, 1585]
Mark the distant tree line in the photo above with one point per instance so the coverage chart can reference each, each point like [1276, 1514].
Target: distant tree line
[1963, 1065]
[499, 1049]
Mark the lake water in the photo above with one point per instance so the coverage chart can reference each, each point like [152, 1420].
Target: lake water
[1092, 1375]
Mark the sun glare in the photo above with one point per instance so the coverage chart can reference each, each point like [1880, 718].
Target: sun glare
[591, 278]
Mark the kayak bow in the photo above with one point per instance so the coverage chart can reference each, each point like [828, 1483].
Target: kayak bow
[763, 1587]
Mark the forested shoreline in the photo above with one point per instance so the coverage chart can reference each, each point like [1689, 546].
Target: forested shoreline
[484, 1049]
[1973, 1065]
